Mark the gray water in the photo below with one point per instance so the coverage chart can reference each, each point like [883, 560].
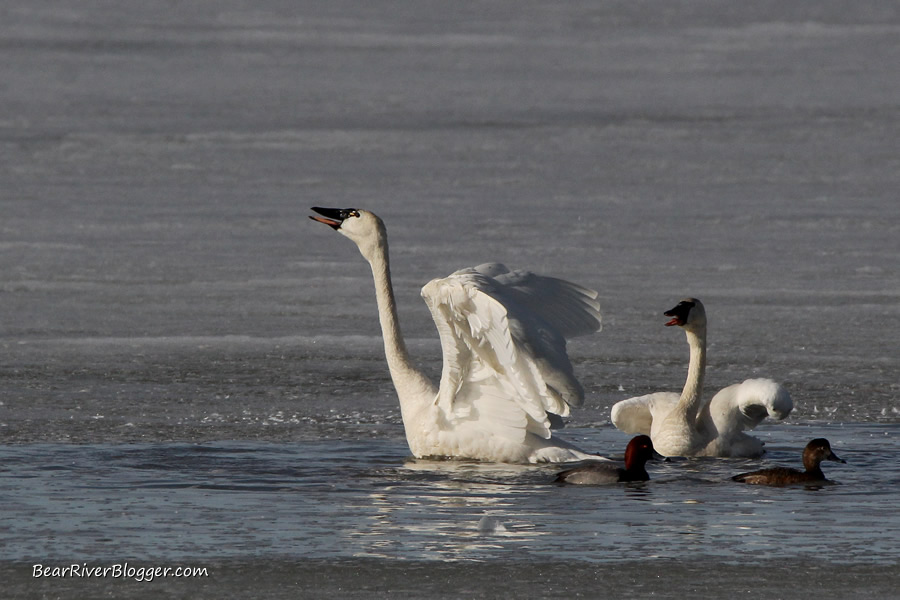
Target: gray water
[192, 372]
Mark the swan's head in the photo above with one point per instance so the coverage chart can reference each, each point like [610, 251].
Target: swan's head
[818, 450]
[361, 226]
[689, 314]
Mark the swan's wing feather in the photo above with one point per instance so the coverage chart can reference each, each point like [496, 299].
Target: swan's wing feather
[543, 312]
[505, 367]
[745, 405]
[635, 415]
[568, 308]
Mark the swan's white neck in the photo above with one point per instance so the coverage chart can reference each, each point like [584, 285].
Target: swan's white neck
[413, 387]
[692, 396]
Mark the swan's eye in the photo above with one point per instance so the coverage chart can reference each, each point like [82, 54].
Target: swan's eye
[353, 213]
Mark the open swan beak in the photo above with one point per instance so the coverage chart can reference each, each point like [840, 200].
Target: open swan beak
[676, 319]
[333, 217]
[680, 313]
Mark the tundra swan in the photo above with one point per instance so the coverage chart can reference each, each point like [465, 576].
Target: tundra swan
[506, 375]
[683, 424]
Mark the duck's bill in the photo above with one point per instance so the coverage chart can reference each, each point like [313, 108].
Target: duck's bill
[836, 458]
[333, 217]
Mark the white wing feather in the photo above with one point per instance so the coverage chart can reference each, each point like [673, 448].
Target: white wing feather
[745, 405]
[503, 336]
[734, 408]
[635, 415]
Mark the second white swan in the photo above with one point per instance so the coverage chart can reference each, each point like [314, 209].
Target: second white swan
[506, 372]
[683, 424]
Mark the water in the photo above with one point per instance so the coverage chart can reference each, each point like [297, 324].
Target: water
[192, 373]
[350, 506]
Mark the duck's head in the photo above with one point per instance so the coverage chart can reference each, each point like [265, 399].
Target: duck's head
[639, 450]
[818, 450]
[688, 314]
[361, 226]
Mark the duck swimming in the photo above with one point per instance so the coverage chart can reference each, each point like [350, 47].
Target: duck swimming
[815, 452]
[637, 453]
[686, 425]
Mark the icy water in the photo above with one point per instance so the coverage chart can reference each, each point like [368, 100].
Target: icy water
[192, 372]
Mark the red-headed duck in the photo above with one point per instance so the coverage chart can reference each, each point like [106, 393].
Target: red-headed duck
[815, 452]
[637, 453]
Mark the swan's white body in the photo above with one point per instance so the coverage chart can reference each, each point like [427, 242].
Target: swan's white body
[683, 424]
[503, 336]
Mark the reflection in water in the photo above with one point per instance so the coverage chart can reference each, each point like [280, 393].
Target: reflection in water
[638, 490]
[334, 499]
[452, 510]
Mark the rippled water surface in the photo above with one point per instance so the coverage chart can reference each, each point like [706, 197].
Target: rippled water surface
[342, 500]
[192, 372]
[348, 504]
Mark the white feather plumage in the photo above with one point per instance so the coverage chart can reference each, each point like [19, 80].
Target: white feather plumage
[503, 337]
[685, 425]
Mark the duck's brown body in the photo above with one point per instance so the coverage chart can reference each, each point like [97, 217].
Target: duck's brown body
[815, 452]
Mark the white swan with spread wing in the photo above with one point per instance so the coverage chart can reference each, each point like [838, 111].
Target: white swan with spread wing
[506, 375]
[683, 424]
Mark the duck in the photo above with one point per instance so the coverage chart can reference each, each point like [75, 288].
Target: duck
[506, 381]
[686, 425]
[815, 452]
[637, 453]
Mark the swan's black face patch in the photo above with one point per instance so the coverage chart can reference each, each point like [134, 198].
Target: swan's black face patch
[680, 313]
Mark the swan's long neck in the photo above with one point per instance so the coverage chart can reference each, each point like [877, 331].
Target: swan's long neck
[692, 396]
[413, 387]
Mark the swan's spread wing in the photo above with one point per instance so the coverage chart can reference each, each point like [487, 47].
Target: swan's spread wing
[635, 415]
[567, 308]
[505, 361]
[745, 405]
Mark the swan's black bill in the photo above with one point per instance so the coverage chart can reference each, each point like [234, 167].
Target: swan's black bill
[680, 313]
[333, 217]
